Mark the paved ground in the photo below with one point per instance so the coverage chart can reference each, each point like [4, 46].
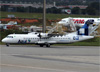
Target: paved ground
[28, 58]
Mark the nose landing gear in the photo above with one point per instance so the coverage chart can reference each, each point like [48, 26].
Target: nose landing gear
[7, 45]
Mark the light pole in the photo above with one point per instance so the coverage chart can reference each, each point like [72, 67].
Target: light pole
[44, 16]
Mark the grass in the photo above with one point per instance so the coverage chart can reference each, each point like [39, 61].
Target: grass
[21, 15]
[39, 15]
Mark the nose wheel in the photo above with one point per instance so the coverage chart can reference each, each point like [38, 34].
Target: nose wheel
[7, 45]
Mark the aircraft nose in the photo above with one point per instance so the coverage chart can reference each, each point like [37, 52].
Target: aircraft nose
[4, 40]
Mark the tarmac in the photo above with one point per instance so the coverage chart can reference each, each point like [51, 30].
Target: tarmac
[30, 58]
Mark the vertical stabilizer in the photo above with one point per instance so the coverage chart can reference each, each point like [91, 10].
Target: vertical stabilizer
[85, 29]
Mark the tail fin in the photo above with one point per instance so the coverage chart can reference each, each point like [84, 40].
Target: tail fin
[85, 29]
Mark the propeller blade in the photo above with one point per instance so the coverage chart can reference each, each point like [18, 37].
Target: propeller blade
[39, 35]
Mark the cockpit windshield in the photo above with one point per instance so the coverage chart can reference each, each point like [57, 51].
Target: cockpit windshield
[63, 20]
[9, 36]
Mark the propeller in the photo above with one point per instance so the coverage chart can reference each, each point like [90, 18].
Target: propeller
[39, 36]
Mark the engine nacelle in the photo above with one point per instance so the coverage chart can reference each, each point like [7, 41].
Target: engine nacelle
[43, 35]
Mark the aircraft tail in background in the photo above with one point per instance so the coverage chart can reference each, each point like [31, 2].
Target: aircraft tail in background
[85, 29]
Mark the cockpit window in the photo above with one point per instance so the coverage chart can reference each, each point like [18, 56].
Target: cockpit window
[63, 20]
[9, 36]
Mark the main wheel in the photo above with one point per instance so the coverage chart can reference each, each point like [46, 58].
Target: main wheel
[41, 45]
[47, 45]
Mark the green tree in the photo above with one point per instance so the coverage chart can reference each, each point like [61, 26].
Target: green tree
[21, 9]
[91, 11]
[76, 10]
[4, 7]
[95, 5]
[83, 11]
[40, 10]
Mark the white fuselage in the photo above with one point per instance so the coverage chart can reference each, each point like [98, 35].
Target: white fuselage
[78, 21]
[33, 38]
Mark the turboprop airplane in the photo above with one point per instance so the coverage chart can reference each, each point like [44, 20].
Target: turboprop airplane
[79, 22]
[47, 39]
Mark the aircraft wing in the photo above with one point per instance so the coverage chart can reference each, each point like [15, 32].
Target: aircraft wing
[48, 35]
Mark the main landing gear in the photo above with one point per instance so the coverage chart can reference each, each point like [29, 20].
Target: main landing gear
[47, 45]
